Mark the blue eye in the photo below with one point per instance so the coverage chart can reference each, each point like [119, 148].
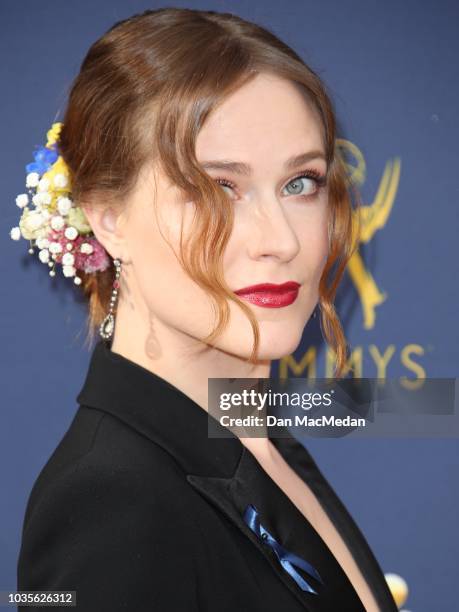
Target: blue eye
[225, 183]
[311, 176]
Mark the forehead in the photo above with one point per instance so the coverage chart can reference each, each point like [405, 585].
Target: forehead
[268, 119]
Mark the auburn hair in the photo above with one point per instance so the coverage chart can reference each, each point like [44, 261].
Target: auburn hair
[143, 92]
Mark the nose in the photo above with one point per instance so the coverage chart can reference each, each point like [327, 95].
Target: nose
[272, 233]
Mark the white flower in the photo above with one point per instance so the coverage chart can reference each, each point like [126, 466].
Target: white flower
[71, 233]
[42, 243]
[86, 248]
[55, 247]
[33, 224]
[37, 199]
[44, 255]
[42, 197]
[15, 233]
[43, 184]
[34, 220]
[57, 222]
[32, 179]
[22, 200]
[46, 214]
[46, 197]
[60, 180]
[68, 259]
[64, 205]
[68, 270]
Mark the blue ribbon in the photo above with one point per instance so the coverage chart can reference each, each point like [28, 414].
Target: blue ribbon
[286, 558]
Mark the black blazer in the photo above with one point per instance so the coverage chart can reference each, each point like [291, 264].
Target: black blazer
[138, 509]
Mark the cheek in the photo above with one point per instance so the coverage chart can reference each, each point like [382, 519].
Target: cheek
[161, 282]
[312, 233]
[153, 263]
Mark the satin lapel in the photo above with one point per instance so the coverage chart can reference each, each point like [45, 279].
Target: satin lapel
[251, 485]
[297, 456]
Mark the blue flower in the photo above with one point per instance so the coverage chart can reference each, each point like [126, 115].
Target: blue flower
[44, 159]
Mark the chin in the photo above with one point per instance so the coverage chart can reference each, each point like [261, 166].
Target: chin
[277, 345]
[276, 340]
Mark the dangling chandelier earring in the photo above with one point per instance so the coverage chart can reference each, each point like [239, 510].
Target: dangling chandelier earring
[108, 324]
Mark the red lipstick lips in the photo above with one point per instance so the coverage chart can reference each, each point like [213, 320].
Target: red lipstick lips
[269, 295]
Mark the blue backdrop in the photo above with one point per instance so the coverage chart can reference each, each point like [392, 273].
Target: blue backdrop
[392, 70]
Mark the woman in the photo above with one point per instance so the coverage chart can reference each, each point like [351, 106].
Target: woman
[200, 153]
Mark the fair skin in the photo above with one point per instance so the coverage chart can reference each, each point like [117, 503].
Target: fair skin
[280, 234]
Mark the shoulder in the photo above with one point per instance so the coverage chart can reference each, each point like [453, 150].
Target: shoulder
[98, 446]
[101, 461]
[112, 522]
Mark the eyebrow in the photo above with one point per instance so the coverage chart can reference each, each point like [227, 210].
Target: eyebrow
[246, 169]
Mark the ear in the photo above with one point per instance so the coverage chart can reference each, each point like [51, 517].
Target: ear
[107, 223]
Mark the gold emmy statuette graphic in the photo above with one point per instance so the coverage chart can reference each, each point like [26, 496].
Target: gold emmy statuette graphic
[371, 218]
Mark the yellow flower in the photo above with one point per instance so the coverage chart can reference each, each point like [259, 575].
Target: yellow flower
[59, 169]
[53, 134]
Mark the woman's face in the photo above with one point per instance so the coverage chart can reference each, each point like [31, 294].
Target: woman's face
[280, 225]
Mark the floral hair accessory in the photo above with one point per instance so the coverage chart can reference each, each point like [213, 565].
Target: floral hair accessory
[50, 219]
